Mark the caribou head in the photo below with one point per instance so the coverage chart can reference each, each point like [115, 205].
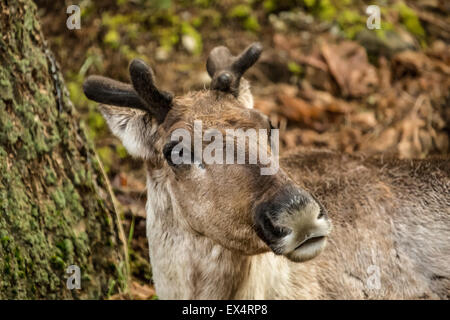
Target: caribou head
[231, 203]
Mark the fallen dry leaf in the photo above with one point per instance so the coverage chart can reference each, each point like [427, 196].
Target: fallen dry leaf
[327, 101]
[409, 62]
[136, 291]
[141, 292]
[297, 109]
[409, 145]
[384, 142]
[266, 106]
[349, 65]
[366, 120]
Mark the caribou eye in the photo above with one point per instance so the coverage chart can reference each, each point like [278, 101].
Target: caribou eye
[176, 158]
[167, 152]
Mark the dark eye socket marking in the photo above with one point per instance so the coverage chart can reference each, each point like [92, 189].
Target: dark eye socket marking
[167, 152]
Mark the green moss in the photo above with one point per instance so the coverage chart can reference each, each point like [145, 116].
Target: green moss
[40, 144]
[72, 199]
[5, 85]
[115, 21]
[269, 5]
[162, 4]
[111, 285]
[50, 175]
[79, 175]
[108, 220]
[240, 11]
[410, 20]
[112, 38]
[309, 3]
[326, 11]
[139, 266]
[187, 29]
[8, 133]
[106, 156]
[59, 199]
[295, 68]
[349, 16]
[197, 21]
[203, 3]
[215, 16]
[121, 151]
[132, 31]
[96, 123]
[244, 13]
[75, 91]
[130, 54]
[66, 250]
[168, 38]
[58, 262]
[5, 241]
[252, 24]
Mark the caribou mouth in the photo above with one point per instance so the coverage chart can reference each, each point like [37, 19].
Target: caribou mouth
[310, 241]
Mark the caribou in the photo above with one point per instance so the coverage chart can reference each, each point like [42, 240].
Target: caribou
[326, 225]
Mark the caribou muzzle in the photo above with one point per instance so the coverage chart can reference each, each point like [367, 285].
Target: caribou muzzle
[293, 223]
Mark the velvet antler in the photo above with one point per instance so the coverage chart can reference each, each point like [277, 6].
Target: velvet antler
[226, 70]
[143, 94]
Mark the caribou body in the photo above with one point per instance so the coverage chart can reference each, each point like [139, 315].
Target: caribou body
[325, 225]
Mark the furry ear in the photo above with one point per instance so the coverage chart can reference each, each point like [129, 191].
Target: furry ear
[133, 112]
[135, 128]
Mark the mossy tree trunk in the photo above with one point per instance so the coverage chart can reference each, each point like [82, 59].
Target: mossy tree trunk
[56, 208]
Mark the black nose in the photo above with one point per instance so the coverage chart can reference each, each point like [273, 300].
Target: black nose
[265, 222]
[289, 200]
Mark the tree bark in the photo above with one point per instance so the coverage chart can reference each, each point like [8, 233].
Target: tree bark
[56, 207]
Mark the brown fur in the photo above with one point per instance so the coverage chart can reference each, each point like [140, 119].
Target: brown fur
[390, 213]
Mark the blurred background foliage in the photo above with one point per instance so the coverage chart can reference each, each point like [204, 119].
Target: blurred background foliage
[114, 32]
[324, 77]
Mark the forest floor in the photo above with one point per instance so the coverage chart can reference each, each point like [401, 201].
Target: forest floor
[324, 78]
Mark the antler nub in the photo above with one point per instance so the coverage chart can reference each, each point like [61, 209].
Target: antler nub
[142, 77]
[248, 58]
[226, 70]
